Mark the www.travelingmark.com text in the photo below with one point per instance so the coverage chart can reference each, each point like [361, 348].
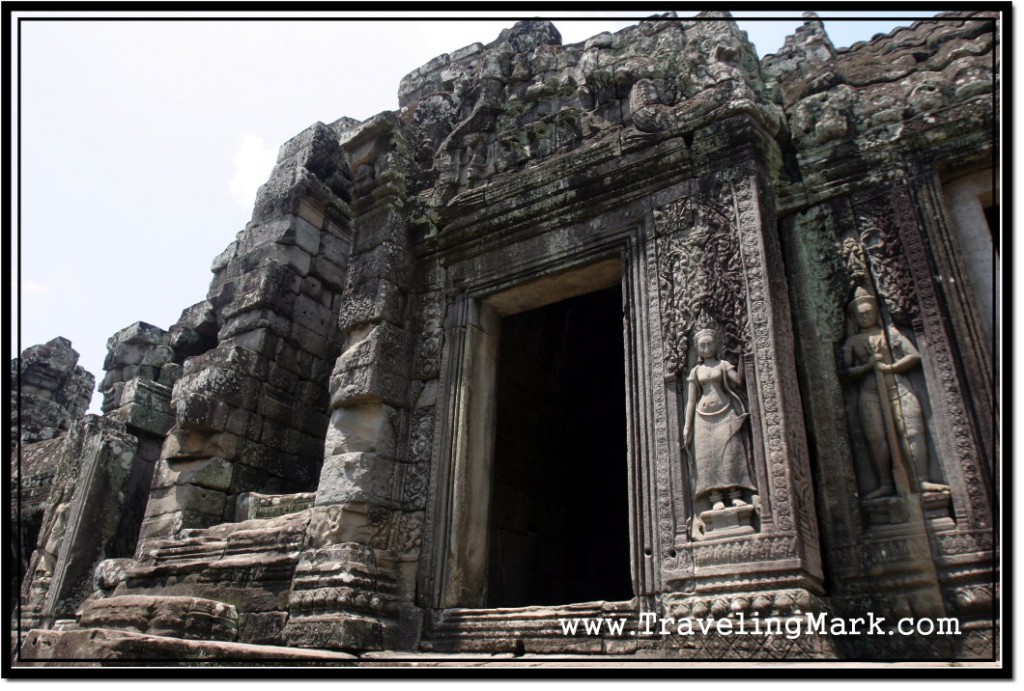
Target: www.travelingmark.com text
[652, 624]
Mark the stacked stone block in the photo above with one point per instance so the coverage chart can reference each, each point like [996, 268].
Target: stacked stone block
[140, 371]
[49, 391]
[250, 406]
[142, 367]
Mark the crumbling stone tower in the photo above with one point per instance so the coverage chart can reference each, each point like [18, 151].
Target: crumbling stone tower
[50, 392]
[641, 324]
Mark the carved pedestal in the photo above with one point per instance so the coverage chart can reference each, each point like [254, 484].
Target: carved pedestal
[343, 598]
[736, 520]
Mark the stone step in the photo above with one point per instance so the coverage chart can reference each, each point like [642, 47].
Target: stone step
[192, 618]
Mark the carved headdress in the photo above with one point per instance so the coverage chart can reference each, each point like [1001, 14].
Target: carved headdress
[707, 325]
[862, 296]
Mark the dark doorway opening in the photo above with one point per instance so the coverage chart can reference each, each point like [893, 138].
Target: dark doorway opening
[559, 523]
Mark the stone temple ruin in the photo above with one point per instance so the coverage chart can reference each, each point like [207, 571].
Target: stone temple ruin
[640, 325]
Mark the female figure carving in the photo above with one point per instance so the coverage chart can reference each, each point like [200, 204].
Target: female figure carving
[714, 423]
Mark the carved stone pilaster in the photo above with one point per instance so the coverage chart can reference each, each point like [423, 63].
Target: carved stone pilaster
[352, 581]
[957, 448]
[714, 245]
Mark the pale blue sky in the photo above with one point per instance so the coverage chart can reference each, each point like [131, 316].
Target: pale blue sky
[143, 143]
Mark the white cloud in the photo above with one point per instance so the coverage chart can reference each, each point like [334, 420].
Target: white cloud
[253, 162]
[33, 288]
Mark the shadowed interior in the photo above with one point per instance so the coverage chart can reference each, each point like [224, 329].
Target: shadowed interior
[559, 506]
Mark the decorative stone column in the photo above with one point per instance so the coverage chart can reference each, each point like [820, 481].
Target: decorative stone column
[353, 586]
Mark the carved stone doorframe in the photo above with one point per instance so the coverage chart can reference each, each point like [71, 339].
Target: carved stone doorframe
[455, 551]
